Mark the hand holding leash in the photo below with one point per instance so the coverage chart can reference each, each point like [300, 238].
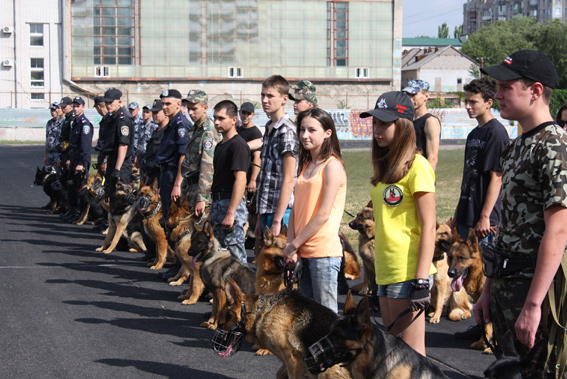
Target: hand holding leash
[419, 296]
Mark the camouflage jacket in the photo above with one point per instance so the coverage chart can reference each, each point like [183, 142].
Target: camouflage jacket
[52, 133]
[199, 157]
[144, 132]
[138, 125]
[534, 177]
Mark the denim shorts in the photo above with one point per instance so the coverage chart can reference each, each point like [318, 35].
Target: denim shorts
[398, 290]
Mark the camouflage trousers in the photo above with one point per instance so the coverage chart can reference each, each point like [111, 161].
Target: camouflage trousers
[233, 240]
[507, 298]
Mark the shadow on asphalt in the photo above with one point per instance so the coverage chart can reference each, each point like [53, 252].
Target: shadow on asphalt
[163, 369]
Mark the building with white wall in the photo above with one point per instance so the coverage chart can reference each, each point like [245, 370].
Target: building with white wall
[31, 53]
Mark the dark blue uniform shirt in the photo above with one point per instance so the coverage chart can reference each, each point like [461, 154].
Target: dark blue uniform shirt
[174, 142]
[80, 140]
[120, 130]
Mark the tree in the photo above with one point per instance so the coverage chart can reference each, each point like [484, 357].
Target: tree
[458, 32]
[443, 31]
[493, 43]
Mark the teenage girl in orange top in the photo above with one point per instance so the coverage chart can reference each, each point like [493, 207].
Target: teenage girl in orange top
[315, 218]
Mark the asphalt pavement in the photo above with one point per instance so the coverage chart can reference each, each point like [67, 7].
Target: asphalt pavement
[67, 311]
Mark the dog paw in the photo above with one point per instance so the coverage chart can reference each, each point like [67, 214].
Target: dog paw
[176, 283]
[434, 320]
[263, 352]
[189, 302]
[156, 267]
[107, 251]
[487, 351]
[479, 345]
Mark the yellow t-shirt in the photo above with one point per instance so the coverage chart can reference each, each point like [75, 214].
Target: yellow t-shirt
[398, 230]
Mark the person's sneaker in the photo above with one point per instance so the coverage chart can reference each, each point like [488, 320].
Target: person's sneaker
[472, 333]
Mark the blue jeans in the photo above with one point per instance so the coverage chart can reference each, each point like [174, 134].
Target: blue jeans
[319, 280]
[268, 218]
[233, 241]
[464, 231]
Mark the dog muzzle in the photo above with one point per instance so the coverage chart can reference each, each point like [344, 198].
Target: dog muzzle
[323, 354]
[143, 203]
[227, 343]
[130, 197]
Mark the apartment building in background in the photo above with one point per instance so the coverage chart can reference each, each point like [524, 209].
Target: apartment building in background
[480, 12]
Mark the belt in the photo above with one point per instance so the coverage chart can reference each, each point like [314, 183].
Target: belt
[221, 195]
[166, 167]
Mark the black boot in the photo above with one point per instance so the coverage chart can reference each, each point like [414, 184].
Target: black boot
[66, 216]
[75, 217]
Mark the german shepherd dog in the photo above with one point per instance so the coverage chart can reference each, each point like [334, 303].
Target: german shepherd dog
[465, 269]
[367, 351]
[510, 365]
[285, 322]
[49, 179]
[364, 224]
[269, 263]
[350, 260]
[177, 226]
[149, 206]
[217, 267]
[90, 207]
[96, 189]
[123, 220]
[444, 301]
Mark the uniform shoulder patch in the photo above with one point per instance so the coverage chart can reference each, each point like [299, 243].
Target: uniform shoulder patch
[121, 114]
[124, 130]
[86, 129]
[208, 143]
[182, 132]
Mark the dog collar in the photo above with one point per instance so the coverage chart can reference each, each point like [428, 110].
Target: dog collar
[145, 216]
[441, 257]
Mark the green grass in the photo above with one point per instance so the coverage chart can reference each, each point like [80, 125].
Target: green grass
[359, 170]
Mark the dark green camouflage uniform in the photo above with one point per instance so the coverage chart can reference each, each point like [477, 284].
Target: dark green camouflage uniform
[534, 177]
[197, 167]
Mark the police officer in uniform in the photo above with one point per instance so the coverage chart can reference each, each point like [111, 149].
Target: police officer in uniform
[79, 159]
[52, 132]
[151, 169]
[171, 152]
[197, 168]
[100, 107]
[119, 142]
[66, 105]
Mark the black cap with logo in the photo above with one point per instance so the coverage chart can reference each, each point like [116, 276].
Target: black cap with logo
[391, 106]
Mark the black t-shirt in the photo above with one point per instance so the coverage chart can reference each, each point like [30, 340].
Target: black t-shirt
[482, 155]
[250, 134]
[232, 155]
[119, 130]
[152, 149]
[420, 138]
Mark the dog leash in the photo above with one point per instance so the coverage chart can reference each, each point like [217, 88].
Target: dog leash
[485, 339]
[402, 314]
[292, 276]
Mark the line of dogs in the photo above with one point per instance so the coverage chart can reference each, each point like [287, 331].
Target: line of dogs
[309, 339]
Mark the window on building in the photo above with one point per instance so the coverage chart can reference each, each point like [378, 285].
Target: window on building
[337, 33]
[38, 96]
[361, 72]
[113, 32]
[36, 34]
[37, 72]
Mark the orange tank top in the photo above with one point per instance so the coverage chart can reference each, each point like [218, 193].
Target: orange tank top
[308, 195]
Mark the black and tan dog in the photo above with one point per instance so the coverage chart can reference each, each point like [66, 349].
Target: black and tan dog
[350, 259]
[50, 179]
[511, 365]
[89, 206]
[286, 323]
[123, 220]
[445, 301]
[179, 226]
[465, 269]
[365, 225]
[367, 351]
[269, 263]
[149, 206]
[217, 267]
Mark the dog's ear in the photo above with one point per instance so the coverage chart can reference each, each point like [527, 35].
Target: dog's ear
[233, 293]
[268, 236]
[450, 223]
[154, 185]
[472, 239]
[208, 229]
[534, 364]
[456, 237]
[369, 205]
[350, 305]
[436, 225]
[283, 231]
[361, 319]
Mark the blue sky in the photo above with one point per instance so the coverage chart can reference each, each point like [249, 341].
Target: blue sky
[422, 17]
